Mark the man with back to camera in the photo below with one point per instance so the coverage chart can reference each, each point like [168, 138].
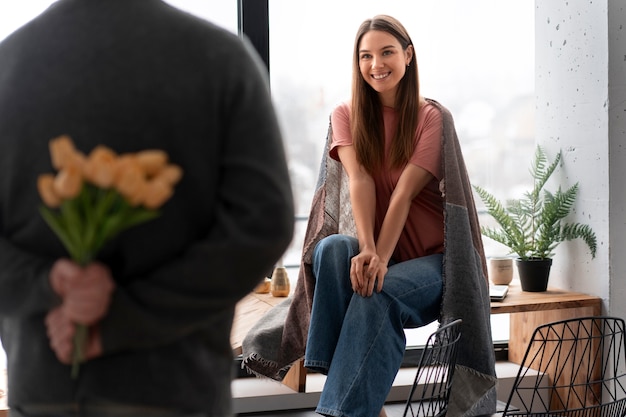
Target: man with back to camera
[134, 75]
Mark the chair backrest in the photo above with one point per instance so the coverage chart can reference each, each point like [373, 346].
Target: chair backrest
[574, 368]
[431, 388]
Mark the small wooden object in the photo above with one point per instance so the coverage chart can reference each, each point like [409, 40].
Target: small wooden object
[263, 287]
[280, 282]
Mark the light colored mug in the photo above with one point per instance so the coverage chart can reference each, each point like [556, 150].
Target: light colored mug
[500, 270]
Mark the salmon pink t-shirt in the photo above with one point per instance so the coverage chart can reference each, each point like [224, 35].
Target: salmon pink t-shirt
[423, 231]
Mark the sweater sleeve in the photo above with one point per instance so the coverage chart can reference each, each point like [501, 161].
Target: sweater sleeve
[24, 285]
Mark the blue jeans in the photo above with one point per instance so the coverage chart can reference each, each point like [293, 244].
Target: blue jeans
[359, 342]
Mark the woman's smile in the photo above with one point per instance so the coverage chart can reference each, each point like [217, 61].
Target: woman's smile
[381, 76]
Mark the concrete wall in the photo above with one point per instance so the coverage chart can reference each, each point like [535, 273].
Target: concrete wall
[580, 48]
[617, 156]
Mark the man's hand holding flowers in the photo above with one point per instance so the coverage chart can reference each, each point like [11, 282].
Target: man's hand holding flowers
[86, 294]
[85, 291]
[87, 203]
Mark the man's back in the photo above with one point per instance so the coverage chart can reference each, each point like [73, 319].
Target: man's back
[137, 74]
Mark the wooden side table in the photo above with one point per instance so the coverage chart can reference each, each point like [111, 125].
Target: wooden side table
[532, 309]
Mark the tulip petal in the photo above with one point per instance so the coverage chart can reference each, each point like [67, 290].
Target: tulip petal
[152, 161]
[63, 152]
[100, 167]
[68, 182]
[157, 193]
[45, 186]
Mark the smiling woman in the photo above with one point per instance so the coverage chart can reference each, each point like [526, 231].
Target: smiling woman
[383, 62]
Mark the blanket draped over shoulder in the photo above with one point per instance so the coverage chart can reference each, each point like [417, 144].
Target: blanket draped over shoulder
[279, 338]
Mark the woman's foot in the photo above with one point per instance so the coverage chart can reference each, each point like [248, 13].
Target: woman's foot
[382, 413]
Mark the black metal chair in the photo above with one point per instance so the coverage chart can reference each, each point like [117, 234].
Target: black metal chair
[572, 368]
[431, 388]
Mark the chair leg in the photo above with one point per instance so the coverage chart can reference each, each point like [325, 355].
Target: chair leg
[296, 377]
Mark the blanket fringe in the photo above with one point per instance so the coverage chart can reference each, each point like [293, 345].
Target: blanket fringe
[264, 368]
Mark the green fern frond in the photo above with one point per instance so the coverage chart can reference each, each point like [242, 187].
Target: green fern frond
[510, 234]
[571, 231]
[532, 226]
[496, 208]
[565, 200]
[540, 172]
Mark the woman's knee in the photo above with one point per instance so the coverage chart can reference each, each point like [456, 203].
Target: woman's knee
[338, 247]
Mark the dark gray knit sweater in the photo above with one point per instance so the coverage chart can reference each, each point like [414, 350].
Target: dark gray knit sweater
[137, 74]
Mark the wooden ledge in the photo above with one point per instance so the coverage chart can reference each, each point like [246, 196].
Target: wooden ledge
[248, 311]
[538, 308]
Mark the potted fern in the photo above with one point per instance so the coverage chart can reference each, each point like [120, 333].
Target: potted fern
[533, 226]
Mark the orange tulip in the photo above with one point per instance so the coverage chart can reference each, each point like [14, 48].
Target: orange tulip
[63, 152]
[100, 166]
[138, 194]
[130, 179]
[170, 174]
[68, 182]
[46, 190]
[157, 193]
[152, 161]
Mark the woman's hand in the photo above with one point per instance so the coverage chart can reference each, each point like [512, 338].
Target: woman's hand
[366, 271]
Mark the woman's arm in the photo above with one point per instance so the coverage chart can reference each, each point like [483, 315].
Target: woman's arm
[363, 199]
[412, 180]
[369, 267]
[410, 183]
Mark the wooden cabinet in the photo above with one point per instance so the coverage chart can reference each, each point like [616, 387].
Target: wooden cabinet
[531, 309]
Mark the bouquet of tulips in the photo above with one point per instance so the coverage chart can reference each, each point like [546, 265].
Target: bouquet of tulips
[92, 198]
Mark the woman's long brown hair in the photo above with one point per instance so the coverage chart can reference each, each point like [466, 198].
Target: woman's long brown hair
[367, 110]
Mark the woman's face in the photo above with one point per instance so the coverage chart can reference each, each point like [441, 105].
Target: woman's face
[383, 63]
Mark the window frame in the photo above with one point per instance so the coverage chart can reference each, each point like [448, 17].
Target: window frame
[253, 22]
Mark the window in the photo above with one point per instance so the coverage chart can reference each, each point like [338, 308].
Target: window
[15, 14]
[222, 13]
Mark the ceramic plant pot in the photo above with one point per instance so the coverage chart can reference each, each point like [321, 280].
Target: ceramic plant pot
[500, 270]
[534, 273]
